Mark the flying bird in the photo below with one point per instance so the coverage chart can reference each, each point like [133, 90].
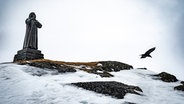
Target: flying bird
[147, 53]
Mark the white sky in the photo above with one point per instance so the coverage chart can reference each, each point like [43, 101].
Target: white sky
[95, 30]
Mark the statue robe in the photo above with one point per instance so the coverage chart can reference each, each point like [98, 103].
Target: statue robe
[31, 36]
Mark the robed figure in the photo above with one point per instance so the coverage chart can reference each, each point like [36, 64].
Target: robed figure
[30, 47]
[31, 37]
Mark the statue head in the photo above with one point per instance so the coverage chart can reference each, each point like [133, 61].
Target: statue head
[32, 15]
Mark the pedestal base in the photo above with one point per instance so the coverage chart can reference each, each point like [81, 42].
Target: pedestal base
[28, 54]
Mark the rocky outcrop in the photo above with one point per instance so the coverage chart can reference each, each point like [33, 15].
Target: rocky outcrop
[180, 87]
[128, 103]
[101, 68]
[166, 77]
[142, 68]
[112, 88]
[50, 65]
[114, 66]
[182, 82]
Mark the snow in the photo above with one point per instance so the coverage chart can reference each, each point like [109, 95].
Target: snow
[80, 67]
[21, 84]
[99, 64]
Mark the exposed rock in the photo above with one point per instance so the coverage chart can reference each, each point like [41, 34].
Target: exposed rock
[142, 68]
[105, 74]
[166, 77]
[128, 103]
[110, 66]
[112, 88]
[180, 88]
[182, 82]
[101, 68]
[49, 65]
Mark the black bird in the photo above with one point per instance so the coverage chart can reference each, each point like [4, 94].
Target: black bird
[147, 53]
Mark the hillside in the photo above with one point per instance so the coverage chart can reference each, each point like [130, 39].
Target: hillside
[57, 82]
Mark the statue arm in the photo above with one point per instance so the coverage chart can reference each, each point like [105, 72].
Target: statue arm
[38, 24]
[28, 21]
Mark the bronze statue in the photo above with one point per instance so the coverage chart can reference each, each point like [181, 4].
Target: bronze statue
[30, 47]
[31, 37]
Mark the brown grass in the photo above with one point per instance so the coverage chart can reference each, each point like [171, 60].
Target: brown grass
[90, 64]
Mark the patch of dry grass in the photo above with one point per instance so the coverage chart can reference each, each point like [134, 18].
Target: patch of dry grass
[90, 64]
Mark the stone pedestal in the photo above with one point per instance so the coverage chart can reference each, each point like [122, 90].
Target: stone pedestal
[28, 54]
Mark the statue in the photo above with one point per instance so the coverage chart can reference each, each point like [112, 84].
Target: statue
[31, 37]
[30, 47]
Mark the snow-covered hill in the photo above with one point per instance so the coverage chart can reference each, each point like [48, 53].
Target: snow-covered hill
[22, 84]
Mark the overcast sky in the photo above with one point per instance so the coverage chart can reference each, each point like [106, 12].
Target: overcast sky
[95, 30]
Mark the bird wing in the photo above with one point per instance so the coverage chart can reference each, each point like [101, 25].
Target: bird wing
[150, 50]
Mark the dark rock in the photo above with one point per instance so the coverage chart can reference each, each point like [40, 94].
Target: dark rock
[103, 68]
[50, 65]
[166, 77]
[182, 82]
[128, 103]
[110, 66]
[112, 88]
[142, 68]
[105, 74]
[180, 88]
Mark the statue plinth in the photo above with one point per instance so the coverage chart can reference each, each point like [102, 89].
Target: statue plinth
[28, 54]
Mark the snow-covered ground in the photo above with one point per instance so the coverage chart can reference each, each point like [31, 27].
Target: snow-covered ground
[21, 84]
